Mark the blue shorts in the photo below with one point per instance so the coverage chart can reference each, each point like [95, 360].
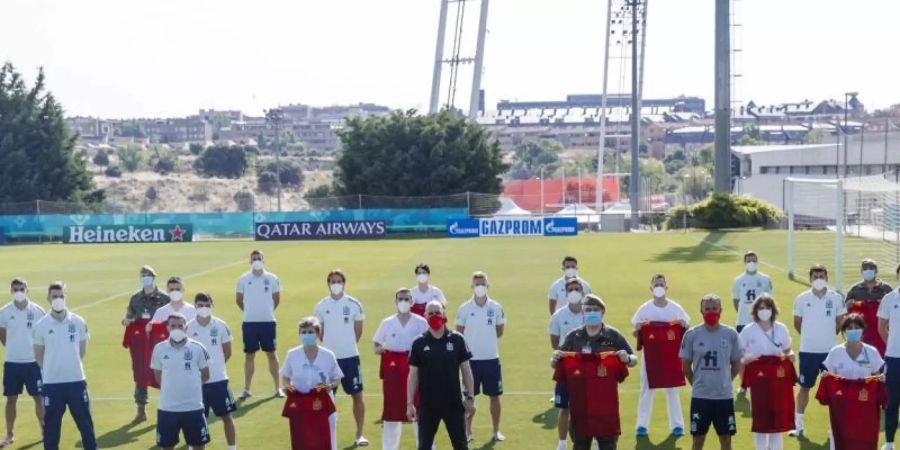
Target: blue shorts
[258, 336]
[561, 397]
[217, 397]
[487, 377]
[16, 375]
[190, 423]
[719, 413]
[810, 366]
[352, 381]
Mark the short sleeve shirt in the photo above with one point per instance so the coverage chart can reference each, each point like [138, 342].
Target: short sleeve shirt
[818, 332]
[143, 305]
[481, 324]
[438, 361]
[866, 364]
[608, 339]
[397, 337]
[433, 293]
[563, 321]
[259, 293]
[860, 291]
[212, 336]
[61, 340]
[162, 314]
[339, 319]
[558, 291]
[711, 353]
[649, 312]
[758, 342]
[746, 288]
[19, 326]
[306, 375]
[889, 310]
[181, 387]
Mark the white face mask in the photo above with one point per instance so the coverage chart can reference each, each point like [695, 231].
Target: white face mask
[422, 277]
[574, 297]
[58, 304]
[403, 307]
[480, 290]
[764, 314]
[204, 312]
[257, 265]
[819, 284]
[751, 267]
[336, 288]
[571, 272]
[176, 296]
[177, 335]
[659, 292]
[19, 296]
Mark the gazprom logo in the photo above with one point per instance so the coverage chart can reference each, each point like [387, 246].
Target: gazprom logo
[463, 228]
[560, 226]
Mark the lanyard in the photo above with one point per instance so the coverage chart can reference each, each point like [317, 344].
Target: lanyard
[771, 338]
[865, 354]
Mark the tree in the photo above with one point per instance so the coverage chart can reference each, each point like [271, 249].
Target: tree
[222, 161]
[132, 129]
[163, 161]
[245, 200]
[267, 182]
[130, 157]
[101, 158]
[195, 148]
[411, 155]
[113, 172]
[531, 157]
[291, 173]
[37, 151]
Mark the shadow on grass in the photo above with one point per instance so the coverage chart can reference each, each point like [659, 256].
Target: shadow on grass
[35, 444]
[707, 249]
[742, 405]
[644, 443]
[547, 419]
[244, 407]
[125, 434]
[806, 444]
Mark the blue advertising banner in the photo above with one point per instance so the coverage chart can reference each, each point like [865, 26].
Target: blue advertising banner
[301, 231]
[494, 227]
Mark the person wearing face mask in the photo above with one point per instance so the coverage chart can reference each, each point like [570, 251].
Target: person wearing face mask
[60, 343]
[175, 289]
[437, 360]
[562, 322]
[557, 294]
[854, 360]
[889, 329]
[746, 287]
[482, 321]
[342, 318]
[17, 319]
[766, 343]
[711, 359]
[864, 298]
[181, 366]
[818, 314]
[392, 342]
[141, 308]
[258, 295]
[424, 292]
[660, 310]
[213, 333]
[594, 337]
[311, 374]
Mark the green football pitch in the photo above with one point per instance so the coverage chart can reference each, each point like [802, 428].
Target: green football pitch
[100, 279]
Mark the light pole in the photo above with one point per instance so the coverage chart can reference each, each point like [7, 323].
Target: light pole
[847, 96]
[275, 117]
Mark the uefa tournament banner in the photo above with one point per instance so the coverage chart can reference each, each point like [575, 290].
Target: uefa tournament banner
[120, 234]
[512, 227]
[305, 231]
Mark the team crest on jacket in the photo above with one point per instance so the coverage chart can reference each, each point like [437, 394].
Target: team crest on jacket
[317, 405]
[601, 371]
[670, 335]
[779, 372]
[863, 395]
[71, 327]
[188, 355]
[724, 343]
[449, 346]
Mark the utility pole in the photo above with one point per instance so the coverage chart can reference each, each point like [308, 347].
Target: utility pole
[847, 96]
[602, 148]
[275, 117]
[634, 181]
[438, 59]
[474, 100]
[723, 97]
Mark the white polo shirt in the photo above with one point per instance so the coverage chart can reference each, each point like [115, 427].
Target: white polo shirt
[339, 319]
[432, 293]
[19, 325]
[212, 336]
[163, 312]
[889, 310]
[866, 364]
[757, 342]
[306, 375]
[817, 333]
[181, 387]
[397, 337]
[61, 340]
[746, 288]
[558, 291]
[671, 312]
[480, 324]
[563, 321]
[259, 304]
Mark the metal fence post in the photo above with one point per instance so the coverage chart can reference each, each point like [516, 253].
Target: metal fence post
[469, 203]
[360, 200]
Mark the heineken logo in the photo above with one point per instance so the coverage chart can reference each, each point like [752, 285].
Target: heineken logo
[114, 234]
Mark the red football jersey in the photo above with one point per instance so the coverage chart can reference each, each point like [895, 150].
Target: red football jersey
[854, 407]
[592, 381]
[394, 373]
[158, 333]
[771, 382]
[138, 345]
[661, 342]
[418, 309]
[869, 310]
[308, 419]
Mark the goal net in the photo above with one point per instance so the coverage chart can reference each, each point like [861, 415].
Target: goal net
[840, 222]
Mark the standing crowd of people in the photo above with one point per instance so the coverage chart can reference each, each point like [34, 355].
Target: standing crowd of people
[431, 369]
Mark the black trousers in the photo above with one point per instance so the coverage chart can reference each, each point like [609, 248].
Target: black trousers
[454, 420]
[607, 443]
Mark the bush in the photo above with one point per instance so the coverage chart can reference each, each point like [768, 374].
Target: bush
[151, 194]
[267, 182]
[101, 158]
[113, 172]
[725, 211]
[245, 200]
[131, 157]
[195, 149]
[291, 173]
[222, 161]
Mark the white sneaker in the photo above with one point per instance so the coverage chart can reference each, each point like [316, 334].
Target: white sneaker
[279, 393]
[499, 437]
[888, 446]
[561, 446]
[795, 433]
[362, 442]
[245, 395]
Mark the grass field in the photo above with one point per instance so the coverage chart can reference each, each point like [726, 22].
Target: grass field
[619, 266]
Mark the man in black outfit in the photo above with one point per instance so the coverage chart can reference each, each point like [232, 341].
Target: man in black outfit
[435, 360]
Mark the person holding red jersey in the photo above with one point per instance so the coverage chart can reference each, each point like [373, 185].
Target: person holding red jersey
[864, 298]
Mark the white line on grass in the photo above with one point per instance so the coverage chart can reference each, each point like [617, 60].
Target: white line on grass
[122, 294]
[734, 252]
